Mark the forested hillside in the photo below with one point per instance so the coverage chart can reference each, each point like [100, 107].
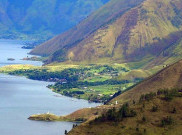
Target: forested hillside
[42, 18]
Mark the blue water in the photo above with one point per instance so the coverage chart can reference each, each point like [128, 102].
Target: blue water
[12, 49]
[21, 97]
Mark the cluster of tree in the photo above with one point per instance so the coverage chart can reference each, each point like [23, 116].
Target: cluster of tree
[117, 115]
[154, 109]
[115, 95]
[91, 97]
[147, 97]
[168, 94]
[79, 84]
[70, 74]
[72, 93]
[98, 99]
[167, 121]
[74, 78]
[75, 125]
[107, 69]
[33, 44]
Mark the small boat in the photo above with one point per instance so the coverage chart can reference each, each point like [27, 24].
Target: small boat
[10, 59]
[58, 95]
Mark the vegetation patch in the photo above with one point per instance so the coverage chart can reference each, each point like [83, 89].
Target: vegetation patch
[96, 83]
[151, 115]
[117, 115]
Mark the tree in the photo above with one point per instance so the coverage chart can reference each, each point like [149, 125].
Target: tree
[144, 119]
[174, 110]
[154, 109]
[65, 132]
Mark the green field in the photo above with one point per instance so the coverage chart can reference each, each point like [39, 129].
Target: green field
[96, 83]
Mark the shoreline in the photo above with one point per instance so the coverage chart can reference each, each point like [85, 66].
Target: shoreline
[80, 116]
[52, 117]
[53, 90]
[50, 88]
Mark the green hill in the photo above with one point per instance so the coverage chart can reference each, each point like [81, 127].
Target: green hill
[169, 77]
[154, 108]
[122, 31]
[134, 74]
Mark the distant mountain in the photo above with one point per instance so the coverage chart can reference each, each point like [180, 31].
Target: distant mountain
[42, 18]
[122, 31]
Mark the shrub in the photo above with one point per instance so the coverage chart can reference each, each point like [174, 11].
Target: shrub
[168, 97]
[144, 119]
[174, 110]
[166, 121]
[134, 102]
[154, 109]
[147, 97]
[137, 129]
[114, 115]
[65, 132]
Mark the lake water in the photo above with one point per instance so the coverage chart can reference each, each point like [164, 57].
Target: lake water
[21, 97]
[12, 49]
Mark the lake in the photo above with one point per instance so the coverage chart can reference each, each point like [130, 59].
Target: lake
[12, 49]
[21, 97]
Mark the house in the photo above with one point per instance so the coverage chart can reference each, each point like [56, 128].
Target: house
[63, 81]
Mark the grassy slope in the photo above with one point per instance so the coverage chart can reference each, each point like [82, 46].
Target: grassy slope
[133, 74]
[128, 126]
[86, 27]
[128, 33]
[135, 125]
[50, 68]
[80, 115]
[170, 77]
[143, 34]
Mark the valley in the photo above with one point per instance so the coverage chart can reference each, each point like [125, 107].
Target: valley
[153, 106]
[95, 83]
[107, 66]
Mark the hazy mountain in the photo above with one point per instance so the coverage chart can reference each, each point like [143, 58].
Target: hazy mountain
[43, 18]
[122, 31]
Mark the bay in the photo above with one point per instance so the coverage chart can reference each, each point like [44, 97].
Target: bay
[21, 97]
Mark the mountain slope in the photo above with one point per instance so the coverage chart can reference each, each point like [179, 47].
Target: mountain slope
[43, 18]
[158, 113]
[130, 33]
[155, 107]
[72, 37]
[154, 117]
[169, 77]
